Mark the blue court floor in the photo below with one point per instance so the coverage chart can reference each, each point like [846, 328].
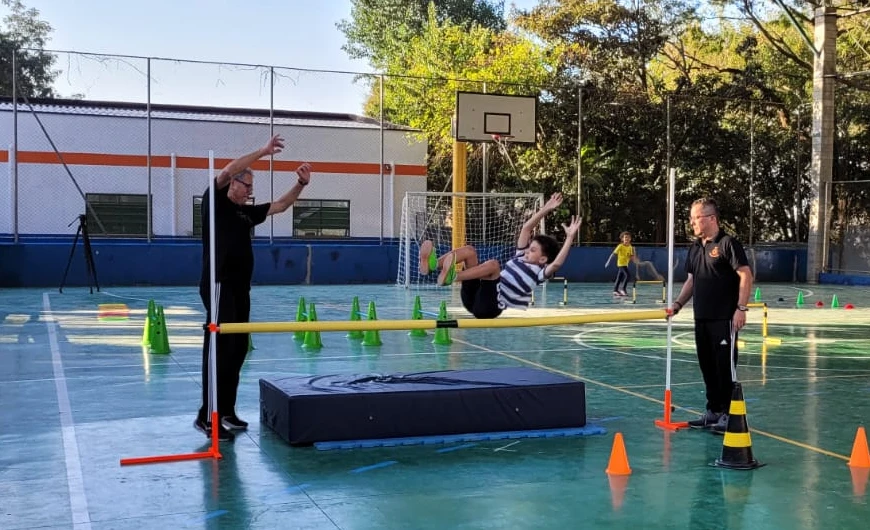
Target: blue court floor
[79, 393]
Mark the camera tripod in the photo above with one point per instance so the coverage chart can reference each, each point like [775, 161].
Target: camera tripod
[89, 256]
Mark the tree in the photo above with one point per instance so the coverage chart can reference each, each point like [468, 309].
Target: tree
[379, 29]
[423, 77]
[23, 35]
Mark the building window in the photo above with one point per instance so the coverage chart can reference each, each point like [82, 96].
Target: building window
[120, 214]
[197, 215]
[316, 218]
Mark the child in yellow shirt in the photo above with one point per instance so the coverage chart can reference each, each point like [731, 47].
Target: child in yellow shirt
[624, 253]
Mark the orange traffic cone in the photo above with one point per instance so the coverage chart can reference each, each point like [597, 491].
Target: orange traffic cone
[618, 458]
[618, 471]
[860, 453]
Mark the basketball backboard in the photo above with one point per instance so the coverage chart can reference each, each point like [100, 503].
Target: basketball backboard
[479, 116]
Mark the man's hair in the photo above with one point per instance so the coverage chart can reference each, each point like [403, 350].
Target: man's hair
[549, 246]
[708, 204]
[626, 233]
[242, 173]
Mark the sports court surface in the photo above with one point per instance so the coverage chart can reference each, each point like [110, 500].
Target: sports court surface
[78, 394]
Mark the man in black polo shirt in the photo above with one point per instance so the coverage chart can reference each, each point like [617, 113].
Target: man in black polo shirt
[234, 267]
[720, 280]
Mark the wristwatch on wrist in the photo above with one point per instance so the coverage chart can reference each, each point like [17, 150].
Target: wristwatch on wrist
[301, 183]
[742, 308]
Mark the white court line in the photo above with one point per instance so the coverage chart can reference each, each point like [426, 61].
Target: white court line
[75, 483]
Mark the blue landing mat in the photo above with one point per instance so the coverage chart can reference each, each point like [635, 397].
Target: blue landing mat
[588, 430]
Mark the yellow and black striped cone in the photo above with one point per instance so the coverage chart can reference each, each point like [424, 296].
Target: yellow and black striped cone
[737, 447]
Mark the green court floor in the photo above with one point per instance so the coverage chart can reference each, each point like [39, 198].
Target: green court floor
[79, 393]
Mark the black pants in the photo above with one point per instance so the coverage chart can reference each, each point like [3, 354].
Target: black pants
[234, 305]
[622, 277]
[480, 298]
[715, 347]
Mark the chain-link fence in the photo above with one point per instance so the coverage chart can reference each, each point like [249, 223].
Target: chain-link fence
[137, 164]
[848, 219]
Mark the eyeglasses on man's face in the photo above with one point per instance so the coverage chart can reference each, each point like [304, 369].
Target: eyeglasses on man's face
[699, 217]
[241, 180]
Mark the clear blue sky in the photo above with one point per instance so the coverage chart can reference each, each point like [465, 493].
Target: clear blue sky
[290, 33]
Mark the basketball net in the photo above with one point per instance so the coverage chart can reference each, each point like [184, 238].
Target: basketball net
[502, 141]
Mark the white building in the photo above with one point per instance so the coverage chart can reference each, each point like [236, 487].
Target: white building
[104, 148]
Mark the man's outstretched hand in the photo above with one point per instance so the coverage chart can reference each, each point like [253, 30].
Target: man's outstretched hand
[274, 146]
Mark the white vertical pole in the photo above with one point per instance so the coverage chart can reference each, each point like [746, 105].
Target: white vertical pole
[671, 180]
[406, 213]
[14, 159]
[12, 192]
[150, 221]
[391, 214]
[173, 193]
[212, 352]
[272, 156]
[381, 90]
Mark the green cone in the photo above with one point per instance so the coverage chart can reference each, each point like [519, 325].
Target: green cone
[354, 316]
[150, 315]
[312, 338]
[372, 337]
[300, 317]
[160, 337]
[417, 314]
[442, 335]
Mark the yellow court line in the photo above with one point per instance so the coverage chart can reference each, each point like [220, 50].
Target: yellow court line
[654, 400]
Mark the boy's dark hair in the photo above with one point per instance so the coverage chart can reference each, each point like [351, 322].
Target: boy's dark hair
[626, 233]
[549, 246]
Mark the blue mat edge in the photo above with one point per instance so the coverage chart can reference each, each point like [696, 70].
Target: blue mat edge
[587, 430]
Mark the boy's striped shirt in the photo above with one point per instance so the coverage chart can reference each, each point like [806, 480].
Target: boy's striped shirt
[517, 281]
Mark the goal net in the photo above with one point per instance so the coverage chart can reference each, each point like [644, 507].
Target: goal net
[490, 222]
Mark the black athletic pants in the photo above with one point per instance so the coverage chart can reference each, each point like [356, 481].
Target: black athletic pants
[622, 277]
[234, 305]
[715, 347]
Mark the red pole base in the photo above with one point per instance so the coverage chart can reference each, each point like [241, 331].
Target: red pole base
[169, 458]
[213, 452]
[666, 423]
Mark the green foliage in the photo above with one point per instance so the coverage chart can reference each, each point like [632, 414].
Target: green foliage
[717, 90]
[23, 34]
[379, 29]
[420, 90]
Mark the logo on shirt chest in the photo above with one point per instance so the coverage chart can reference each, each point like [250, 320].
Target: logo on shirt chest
[243, 217]
[714, 252]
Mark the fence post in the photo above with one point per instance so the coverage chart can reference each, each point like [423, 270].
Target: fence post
[150, 229]
[381, 83]
[14, 147]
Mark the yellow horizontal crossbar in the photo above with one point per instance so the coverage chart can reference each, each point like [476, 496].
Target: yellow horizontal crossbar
[397, 325]
[649, 281]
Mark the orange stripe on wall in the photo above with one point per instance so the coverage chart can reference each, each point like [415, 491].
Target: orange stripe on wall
[192, 162]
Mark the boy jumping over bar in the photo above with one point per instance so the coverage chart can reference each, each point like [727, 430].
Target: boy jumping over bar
[487, 290]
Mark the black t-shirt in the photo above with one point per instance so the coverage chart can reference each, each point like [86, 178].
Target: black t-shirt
[713, 267]
[233, 223]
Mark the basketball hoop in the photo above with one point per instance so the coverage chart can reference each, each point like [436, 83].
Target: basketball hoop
[502, 141]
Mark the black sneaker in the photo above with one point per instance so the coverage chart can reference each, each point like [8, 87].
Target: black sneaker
[205, 428]
[721, 426]
[234, 423]
[706, 421]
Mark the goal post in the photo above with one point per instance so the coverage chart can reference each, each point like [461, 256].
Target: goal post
[490, 222]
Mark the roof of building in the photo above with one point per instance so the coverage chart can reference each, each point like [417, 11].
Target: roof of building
[196, 113]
